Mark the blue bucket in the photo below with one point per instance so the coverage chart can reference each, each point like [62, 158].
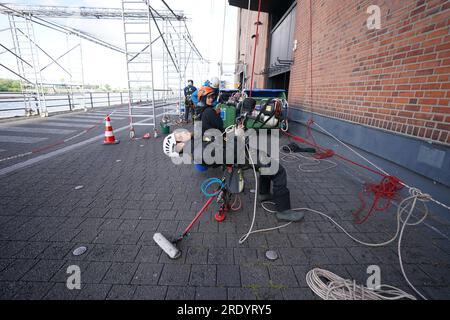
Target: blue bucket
[200, 167]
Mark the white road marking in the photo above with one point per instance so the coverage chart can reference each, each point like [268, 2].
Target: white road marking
[64, 124]
[40, 158]
[36, 130]
[79, 120]
[16, 139]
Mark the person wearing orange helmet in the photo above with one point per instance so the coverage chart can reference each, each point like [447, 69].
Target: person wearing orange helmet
[214, 83]
[207, 115]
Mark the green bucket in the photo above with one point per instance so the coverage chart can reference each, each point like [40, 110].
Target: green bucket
[165, 128]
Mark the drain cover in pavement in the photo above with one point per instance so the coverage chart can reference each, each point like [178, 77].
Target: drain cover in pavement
[79, 251]
[271, 255]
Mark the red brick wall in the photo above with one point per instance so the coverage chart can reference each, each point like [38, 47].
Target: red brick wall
[395, 78]
[262, 47]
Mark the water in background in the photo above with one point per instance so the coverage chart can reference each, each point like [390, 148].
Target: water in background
[12, 104]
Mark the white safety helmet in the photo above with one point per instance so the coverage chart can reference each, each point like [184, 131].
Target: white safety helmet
[169, 145]
[215, 83]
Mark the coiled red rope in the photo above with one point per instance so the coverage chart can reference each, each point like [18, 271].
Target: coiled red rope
[387, 190]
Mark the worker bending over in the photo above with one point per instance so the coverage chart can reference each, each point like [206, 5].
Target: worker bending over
[181, 145]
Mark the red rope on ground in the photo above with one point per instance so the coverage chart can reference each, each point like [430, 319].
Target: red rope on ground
[387, 189]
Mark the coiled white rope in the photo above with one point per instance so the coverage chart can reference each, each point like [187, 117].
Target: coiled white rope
[407, 203]
[330, 286]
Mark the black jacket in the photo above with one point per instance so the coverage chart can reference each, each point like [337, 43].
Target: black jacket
[189, 90]
[210, 119]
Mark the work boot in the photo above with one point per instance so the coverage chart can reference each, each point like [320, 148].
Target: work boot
[265, 197]
[290, 215]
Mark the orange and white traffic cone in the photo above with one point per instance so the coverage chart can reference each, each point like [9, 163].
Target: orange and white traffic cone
[109, 134]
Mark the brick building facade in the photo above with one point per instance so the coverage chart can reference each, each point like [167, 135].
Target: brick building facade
[245, 44]
[385, 91]
[395, 78]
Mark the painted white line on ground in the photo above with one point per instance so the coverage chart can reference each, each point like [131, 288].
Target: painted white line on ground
[16, 139]
[99, 117]
[36, 130]
[64, 124]
[40, 158]
[79, 120]
[100, 113]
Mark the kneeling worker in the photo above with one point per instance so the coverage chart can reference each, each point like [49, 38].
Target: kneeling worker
[174, 144]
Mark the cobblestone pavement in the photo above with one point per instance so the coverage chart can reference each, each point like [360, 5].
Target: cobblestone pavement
[43, 218]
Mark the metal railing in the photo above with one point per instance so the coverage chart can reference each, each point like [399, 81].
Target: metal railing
[12, 103]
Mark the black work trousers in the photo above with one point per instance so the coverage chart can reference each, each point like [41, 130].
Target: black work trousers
[187, 109]
[281, 195]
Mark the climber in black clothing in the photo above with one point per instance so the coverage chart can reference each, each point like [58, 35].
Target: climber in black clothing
[209, 117]
[188, 104]
[174, 143]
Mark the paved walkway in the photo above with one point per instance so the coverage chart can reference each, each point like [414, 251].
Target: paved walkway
[131, 190]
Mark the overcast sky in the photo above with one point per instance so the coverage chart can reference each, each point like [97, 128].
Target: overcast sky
[104, 66]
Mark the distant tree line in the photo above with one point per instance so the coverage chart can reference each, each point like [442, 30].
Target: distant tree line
[10, 85]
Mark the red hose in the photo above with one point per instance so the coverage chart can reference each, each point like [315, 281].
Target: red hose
[254, 49]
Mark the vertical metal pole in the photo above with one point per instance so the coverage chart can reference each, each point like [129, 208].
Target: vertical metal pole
[192, 68]
[109, 102]
[92, 102]
[255, 46]
[151, 65]
[180, 64]
[30, 44]
[247, 34]
[70, 69]
[128, 72]
[70, 104]
[12, 25]
[82, 75]
[223, 38]
[164, 67]
[163, 63]
[43, 102]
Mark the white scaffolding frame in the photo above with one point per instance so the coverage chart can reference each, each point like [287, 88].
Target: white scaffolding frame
[174, 76]
[27, 57]
[178, 55]
[139, 64]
